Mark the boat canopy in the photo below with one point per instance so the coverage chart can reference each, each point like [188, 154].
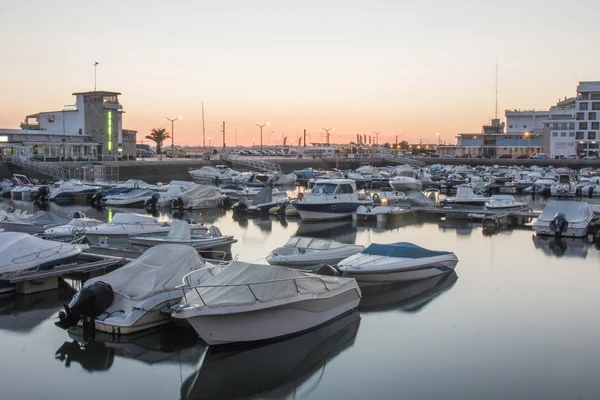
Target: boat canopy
[159, 269]
[574, 211]
[200, 192]
[245, 284]
[18, 249]
[124, 218]
[402, 250]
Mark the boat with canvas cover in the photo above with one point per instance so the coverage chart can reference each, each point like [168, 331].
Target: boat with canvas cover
[180, 233]
[219, 173]
[504, 202]
[564, 218]
[396, 262]
[132, 298]
[465, 197]
[305, 252]
[117, 231]
[133, 198]
[72, 190]
[259, 205]
[405, 183]
[198, 198]
[250, 302]
[36, 223]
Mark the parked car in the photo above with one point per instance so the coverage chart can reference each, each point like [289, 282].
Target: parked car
[435, 155]
[539, 156]
[522, 157]
[465, 156]
[572, 157]
[505, 156]
[590, 157]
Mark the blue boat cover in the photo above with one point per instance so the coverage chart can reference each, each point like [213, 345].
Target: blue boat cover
[402, 250]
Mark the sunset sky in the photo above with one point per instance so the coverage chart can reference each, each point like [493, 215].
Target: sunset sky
[406, 68]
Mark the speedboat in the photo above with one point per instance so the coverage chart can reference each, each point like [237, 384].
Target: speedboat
[117, 231]
[504, 202]
[304, 252]
[173, 192]
[76, 227]
[136, 184]
[396, 262]
[250, 302]
[180, 233]
[330, 199]
[71, 190]
[218, 173]
[564, 218]
[199, 197]
[36, 223]
[386, 198]
[133, 198]
[281, 179]
[259, 205]
[564, 186]
[405, 183]
[21, 253]
[134, 297]
[379, 213]
[465, 197]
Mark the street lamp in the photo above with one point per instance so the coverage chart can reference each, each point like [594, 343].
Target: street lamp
[376, 136]
[327, 134]
[261, 128]
[252, 142]
[528, 136]
[172, 134]
[209, 141]
[439, 143]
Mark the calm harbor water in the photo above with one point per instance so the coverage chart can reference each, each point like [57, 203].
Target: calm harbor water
[517, 320]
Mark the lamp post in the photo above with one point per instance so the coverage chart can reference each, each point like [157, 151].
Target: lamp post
[376, 136]
[261, 128]
[439, 143]
[172, 134]
[252, 142]
[528, 136]
[209, 141]
[327, 134]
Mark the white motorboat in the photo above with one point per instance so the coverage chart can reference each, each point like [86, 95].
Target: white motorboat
[133, 198]
[117, 231]
[198, 198]
[249, 302]
[405, 183]
[137, 184]
[378, 213]
[181, 233]
[305, 252]
[21, 252]
[504, 202]
[388, 198]
[235, 192]
[564, 186]
[72, 190]
[330, 199]
[396, 262]
[260, 204]
[220, 172]
[281, 179]
[173, 190]
[75, 227]
[36, 223]
[465, 197]
[564, 218]
[134, 297]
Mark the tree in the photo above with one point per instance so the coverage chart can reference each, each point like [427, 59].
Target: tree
[158, 136]
[404, 144]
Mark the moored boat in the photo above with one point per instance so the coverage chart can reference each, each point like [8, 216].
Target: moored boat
[305, 252]
[330, 199]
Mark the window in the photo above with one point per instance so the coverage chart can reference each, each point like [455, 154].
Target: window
[583, 106]
[583, 125]
[591, 135]
[51, 118]
[510, 126]
[525, 126]
[571, 134]
[563, 134]
[593, 146]
[545, 126]
[579, 136]
[571, 125]
[592, 116]
[109, 99]
[554, 134]
[580, 116]
[596, 105]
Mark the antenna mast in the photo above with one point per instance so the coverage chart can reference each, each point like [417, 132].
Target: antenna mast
[496, 108]
[203, 129]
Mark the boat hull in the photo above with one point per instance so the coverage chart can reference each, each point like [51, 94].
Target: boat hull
[326, 211]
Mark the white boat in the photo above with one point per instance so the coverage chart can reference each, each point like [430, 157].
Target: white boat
[305, 252]
[260, 204]
[281, 179]
[564, 186]
[136, 184]
[465, 197]
[504, 202]
[21, 252]
[72, 190]
[220, 173]
[330, 199]
[117, 231]
[135, 297]
[405, 183]
[198, 198]
[235, 193]
[388, 198]
[396, 262]
[180, 233]
[75, 227]
[378, 213]
[564, 218]
[249, 302]
[36, 223]
[133, 198]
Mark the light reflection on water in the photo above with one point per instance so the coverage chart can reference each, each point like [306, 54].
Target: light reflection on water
[517, 320]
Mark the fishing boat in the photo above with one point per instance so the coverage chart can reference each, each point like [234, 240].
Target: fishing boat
[250, 302]
[465, 197]
[504, 202]
[117, 231]
[305, 252]
[133, 297]
[396, 262]
[564, 218]
[36, 223]
[181, 233]
[330, 199]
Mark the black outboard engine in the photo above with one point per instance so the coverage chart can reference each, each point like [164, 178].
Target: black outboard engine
[327, 270]
[559, 224]
[89, 302]
[152, 202]
[177, 203]
[41, 195]
[96, 198]
[241, 206]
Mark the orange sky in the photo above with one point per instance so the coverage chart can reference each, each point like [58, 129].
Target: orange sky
[406, 69]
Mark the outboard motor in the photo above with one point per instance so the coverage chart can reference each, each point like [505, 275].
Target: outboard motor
[96, 198]
[89, 302]
[591, 191]
[41, 195]
[241, 206]
[177, 203]
[152, 202]
[214, 231]
[559, 224]
[327, 270]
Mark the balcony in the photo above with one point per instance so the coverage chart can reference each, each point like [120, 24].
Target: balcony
[112, 106]
[30, 127]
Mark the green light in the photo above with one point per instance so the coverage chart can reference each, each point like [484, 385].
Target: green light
[110, 131]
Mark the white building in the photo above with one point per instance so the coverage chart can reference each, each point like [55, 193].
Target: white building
[587, 118]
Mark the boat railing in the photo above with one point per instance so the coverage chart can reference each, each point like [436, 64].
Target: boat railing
[249, 286]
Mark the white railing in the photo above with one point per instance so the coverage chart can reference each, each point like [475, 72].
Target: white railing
[258, 164]
[45, 168]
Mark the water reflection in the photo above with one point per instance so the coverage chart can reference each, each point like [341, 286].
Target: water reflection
[460, 226]
[342, 231]
[408, 297]
[19, 313]
[275, 369]
[166, 345]
[562, 247]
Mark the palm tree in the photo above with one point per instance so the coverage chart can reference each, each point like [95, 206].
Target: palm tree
[158, 136]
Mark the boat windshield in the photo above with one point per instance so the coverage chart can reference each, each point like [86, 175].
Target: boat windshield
[324, 188]
[564, 179]
[308, 243]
